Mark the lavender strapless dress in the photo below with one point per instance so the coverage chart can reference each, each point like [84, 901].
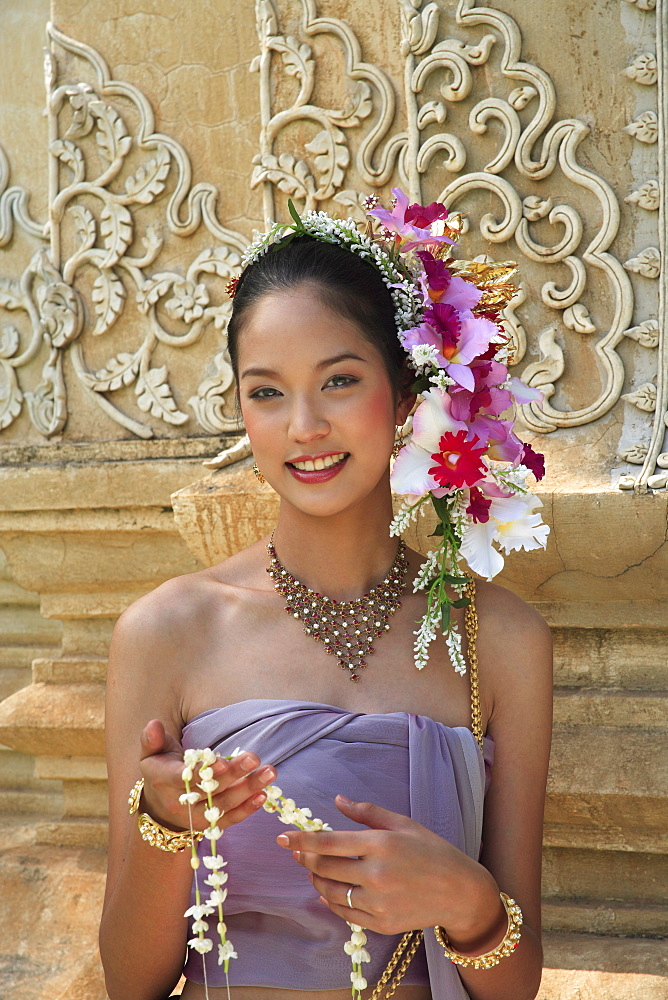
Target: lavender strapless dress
[283, 935]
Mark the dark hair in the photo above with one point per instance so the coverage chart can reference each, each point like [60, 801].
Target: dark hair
[343, 281]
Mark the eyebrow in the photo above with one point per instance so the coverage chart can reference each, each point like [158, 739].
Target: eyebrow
[327, 363]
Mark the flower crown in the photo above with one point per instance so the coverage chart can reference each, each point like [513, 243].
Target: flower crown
[461, 455]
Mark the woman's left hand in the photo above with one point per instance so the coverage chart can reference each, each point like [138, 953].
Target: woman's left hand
[404, 876]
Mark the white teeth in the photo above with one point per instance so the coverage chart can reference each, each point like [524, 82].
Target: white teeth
[311, 465]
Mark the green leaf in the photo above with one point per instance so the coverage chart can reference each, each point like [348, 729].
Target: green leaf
[449, 578]
[294, 213]
[463, 602]
[438, 530]
[445, 617]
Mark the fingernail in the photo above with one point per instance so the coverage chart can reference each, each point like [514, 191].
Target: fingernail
[283, 840]
[344, 799]
[247, 764]
[267, 773]
[259, 799]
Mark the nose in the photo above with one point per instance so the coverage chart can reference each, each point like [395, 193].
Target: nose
[307, 422]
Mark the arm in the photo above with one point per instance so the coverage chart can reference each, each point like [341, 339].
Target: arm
[409, 877]
[143, 931]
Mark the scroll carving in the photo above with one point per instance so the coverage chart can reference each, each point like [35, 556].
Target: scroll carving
[439, 73]
[103, 173]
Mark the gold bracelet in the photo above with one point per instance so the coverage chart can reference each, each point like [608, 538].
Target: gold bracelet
[510, 941]
[154, 833]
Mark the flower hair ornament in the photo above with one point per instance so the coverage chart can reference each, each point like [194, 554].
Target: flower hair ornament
[462, 455]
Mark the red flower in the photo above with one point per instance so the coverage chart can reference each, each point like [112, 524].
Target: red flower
[438, 276]
[479, 506]
[422, 216]
[458, 461]
[533, 460]
[444, 319]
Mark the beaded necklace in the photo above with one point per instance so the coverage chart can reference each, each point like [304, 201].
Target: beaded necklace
[346, 629]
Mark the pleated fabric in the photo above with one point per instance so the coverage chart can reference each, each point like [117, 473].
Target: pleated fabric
[410, 764]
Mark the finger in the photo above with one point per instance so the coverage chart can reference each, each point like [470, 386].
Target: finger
[341, 843]
[337, 892]
[339, 869]
[372, 815]
[243, 810]
[232, 796]
[353, 916]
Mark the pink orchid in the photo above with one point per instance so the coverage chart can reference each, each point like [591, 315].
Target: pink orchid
[439, 285]
[486, 394]
[412, 222]
[431, 421]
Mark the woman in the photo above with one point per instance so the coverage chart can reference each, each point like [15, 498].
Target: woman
[213, 658]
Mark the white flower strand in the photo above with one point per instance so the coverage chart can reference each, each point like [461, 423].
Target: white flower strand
[290, 814]
[214, 863]
[405, 516]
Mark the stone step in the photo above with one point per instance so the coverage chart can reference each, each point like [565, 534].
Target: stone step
[28, 802]
[591, 967]
[623, 876]
[624, 658]
[612, 781]
[579, 706]
[584, 916]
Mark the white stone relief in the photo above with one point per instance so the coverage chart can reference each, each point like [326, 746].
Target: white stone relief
[647, 196]
[644, 128]
[101, 175]
[644, 397]
[644, 69]
[643, 4]
[647, 263]
[536, 150]
[646, 334]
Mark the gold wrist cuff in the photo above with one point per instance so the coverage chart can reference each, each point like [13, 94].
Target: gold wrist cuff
[490, 958]
[154, 833]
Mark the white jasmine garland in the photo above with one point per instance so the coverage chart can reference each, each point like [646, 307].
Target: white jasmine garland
[289, 813]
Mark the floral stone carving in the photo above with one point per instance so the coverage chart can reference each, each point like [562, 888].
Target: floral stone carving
[103, 259]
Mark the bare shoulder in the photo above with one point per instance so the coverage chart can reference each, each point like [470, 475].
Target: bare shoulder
[514, 647]
[177, 610]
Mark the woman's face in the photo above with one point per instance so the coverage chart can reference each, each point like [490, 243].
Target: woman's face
[317, 402]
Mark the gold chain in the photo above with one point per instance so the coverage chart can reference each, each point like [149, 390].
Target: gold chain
[471, 626]
[403, 953]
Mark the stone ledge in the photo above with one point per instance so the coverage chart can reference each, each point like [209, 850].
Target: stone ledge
[605, 917]
[56, 720]
[74, 833]
[630, 839]
[604, 707]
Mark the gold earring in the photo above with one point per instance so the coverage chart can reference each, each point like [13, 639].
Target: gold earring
[258, 474]
[398, 445]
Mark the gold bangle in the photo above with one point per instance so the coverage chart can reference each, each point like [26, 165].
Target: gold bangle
[510, 941]
[154, 833]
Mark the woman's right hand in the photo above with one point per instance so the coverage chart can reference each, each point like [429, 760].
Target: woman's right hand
[240, 783]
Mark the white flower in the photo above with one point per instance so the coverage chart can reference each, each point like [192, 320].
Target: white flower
[424, 356]
[358, 937]
[512, 525]
[213, 814]
[213, 833]
[226, 951]
[216, 879]
[360, 955]
[218, 897]
[202, 945]
[221, 927]
[359, 982]
[273, 793]
[208, 786]
[206, 773]
[189, 798]
[190, 758]
[200, 925]
[199, 910]
[187, 774]
[214, 861]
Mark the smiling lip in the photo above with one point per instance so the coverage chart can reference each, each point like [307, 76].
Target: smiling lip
[317, 475]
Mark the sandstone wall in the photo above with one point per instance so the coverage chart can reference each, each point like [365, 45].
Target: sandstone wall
[129, 187]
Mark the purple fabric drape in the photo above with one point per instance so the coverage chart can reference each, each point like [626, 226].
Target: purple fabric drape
[409, 764]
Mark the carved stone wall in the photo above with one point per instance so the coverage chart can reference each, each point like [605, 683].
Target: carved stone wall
[136, 159]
